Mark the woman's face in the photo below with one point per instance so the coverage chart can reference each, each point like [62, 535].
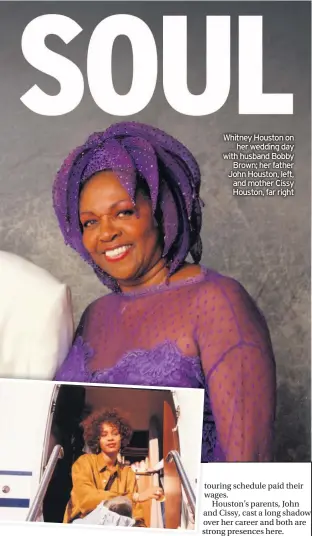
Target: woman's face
[110, 439]
[122, 239]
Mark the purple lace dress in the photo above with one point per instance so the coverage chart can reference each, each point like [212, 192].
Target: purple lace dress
[204, 332]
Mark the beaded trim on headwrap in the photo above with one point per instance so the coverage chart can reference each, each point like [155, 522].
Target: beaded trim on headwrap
[134, 150]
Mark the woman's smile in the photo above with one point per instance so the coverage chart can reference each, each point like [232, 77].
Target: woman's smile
[118, 253]
[112, 446]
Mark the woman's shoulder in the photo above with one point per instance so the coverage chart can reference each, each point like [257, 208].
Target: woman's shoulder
[85, 459]
[214, 280]
[200, 273]
[125, 468]
[222, 292]
[207, 280]
[218, 287]
[100, 304]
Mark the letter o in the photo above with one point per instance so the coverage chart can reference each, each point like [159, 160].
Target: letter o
[99, 65]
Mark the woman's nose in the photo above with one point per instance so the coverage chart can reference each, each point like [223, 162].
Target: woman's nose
[108, 231]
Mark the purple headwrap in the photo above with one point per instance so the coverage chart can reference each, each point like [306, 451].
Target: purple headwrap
[134, 150]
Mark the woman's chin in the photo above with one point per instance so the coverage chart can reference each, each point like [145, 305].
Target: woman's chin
[123, 279]
[123, 274]
[120, 273]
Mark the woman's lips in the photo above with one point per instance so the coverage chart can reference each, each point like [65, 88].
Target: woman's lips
[117, 254]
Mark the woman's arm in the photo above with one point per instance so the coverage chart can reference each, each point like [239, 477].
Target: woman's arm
[132, 494]
[239, 367]
[153, 492]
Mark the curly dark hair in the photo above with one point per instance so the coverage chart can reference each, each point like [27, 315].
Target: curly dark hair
[92, 427]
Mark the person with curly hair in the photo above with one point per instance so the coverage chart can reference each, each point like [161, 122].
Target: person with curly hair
[99, 476]
[128, 202]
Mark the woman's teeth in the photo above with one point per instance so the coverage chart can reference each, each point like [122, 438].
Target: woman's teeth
[113, 253]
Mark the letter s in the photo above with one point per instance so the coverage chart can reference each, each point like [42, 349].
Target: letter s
[53, 64]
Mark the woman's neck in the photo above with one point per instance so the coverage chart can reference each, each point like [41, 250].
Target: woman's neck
[154, 276]
[159, 274]
[109, 459]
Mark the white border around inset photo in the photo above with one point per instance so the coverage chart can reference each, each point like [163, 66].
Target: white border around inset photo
[26, 417]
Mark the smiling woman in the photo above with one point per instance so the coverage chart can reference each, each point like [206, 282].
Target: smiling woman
[128, 202]
[114, 228]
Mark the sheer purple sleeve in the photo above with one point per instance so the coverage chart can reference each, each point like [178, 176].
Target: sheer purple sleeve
[239, 367]
[73, 368]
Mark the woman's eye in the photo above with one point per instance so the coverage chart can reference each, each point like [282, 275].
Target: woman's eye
[88, 223]
[123, 213]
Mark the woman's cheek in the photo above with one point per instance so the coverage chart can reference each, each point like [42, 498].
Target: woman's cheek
[89, 241]
[85, 239]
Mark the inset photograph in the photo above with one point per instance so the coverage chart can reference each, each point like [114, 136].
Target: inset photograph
[99, 455]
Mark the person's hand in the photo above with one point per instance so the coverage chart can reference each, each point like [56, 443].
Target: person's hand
[154, 492]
